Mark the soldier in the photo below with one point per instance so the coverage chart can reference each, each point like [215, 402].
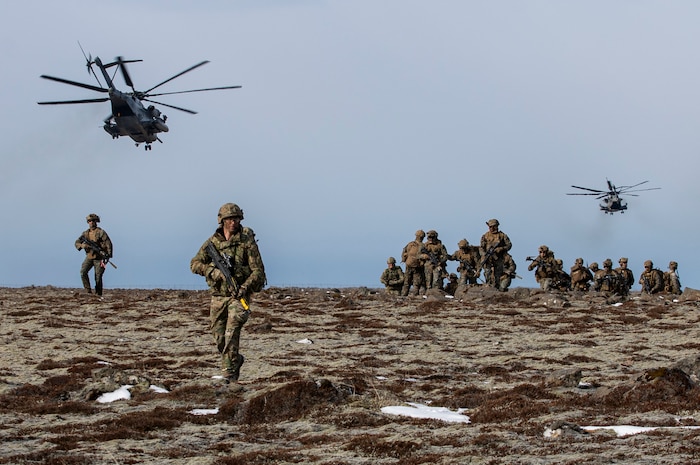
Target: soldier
[652, 279]
[508, 272]
[561, 280]
[607, 280]
[593, 267]
[98, 251]
[228, 311]
[672, 282]
[580, 276]
[392, 277]
[546, 266]
[627, 277]
[452, 283]
[414, 264]
[435, 259]
[468, 257]
[494, 244]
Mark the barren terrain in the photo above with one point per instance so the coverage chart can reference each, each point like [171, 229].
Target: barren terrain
[520, 363]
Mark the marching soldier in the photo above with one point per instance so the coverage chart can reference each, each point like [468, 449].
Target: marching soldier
[493, 246]
[98, 251]
[228, 312]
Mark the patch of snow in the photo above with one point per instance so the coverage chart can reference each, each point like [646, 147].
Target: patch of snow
[158, 389]
[423, 411]
[305, 341]
[204, 411]
[119, 394]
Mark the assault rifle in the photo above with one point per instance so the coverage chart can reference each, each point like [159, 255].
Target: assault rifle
[488, 254]
[95, 247]
[225, 268]
[646, 284]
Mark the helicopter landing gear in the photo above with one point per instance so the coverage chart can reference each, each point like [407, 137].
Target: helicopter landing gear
[148, 147]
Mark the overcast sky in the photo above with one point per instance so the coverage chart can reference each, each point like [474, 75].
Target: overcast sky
[358, 123]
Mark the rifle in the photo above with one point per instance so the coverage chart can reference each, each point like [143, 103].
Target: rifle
[225, 269]
[488, 254]
[95, 247]
[646, 285]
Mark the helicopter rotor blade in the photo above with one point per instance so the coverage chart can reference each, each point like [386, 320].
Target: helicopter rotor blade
[582, 193]
[125, 73]
[195, 90]
[177, 75]
[635, 185]
[627, 192]
[67, 102]
[192, 112]
[74, 83]
[587, 189]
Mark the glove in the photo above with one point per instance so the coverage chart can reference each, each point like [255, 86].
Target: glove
[216, 275]
[242, 292]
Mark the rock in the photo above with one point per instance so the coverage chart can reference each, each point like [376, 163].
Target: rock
[565, 378]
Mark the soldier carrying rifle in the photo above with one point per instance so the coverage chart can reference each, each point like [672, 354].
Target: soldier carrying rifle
[98, 251]
[493, 247]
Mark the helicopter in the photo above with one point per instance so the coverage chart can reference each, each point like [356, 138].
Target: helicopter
[612, 201]
[129, 117]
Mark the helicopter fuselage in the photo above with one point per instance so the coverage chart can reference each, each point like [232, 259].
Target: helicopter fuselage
[130, 118]
[613, 203]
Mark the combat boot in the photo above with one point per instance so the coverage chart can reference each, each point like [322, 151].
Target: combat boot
[234, 372]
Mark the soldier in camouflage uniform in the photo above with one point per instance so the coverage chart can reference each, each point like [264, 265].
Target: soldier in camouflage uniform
[434, 261]
[410, 255]
[493, 246]
[580, 276]
[607, 280]
[468, 257]
[237, 246]
[93, 258]
[392, 277]
[545, 263]
[562, 280]
[508, 272]
[652, 279]
[672, 282]
[626, 275]
[452, 283]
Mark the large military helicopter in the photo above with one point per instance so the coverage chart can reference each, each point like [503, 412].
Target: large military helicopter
[612, 202]
[129, 115]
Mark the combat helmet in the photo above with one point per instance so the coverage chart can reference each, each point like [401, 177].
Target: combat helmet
[93, 217]
[420, 233]
[432, 233]
[229, 210]
[673, 265]
[462, 244]
[391, 260]
[649, 264]
[607, 263]
[492, 222]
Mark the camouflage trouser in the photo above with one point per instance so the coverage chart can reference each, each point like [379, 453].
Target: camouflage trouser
[505, 282]
[433, 276]
[227, 317]
[468, 277]
[99, 271]
[413, 276]
[493, 270]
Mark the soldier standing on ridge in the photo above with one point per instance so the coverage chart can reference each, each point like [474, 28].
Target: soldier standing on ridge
[410, 255]
[652, 279]
[626, 274]
[98, 251]
[493, 246]
[392, 277]
[434, 261]
[228, 312]
[607, 280]
[672, 282]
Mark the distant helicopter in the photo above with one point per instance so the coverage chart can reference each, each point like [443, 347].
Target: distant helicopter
[129, 115]
[612, 202]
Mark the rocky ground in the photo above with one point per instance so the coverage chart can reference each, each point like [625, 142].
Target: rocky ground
[530, 368]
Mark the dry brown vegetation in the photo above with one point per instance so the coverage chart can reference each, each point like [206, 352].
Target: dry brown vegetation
[519, 362]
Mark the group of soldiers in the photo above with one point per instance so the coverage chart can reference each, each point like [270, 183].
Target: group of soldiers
[550, 274]
[426, 264]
